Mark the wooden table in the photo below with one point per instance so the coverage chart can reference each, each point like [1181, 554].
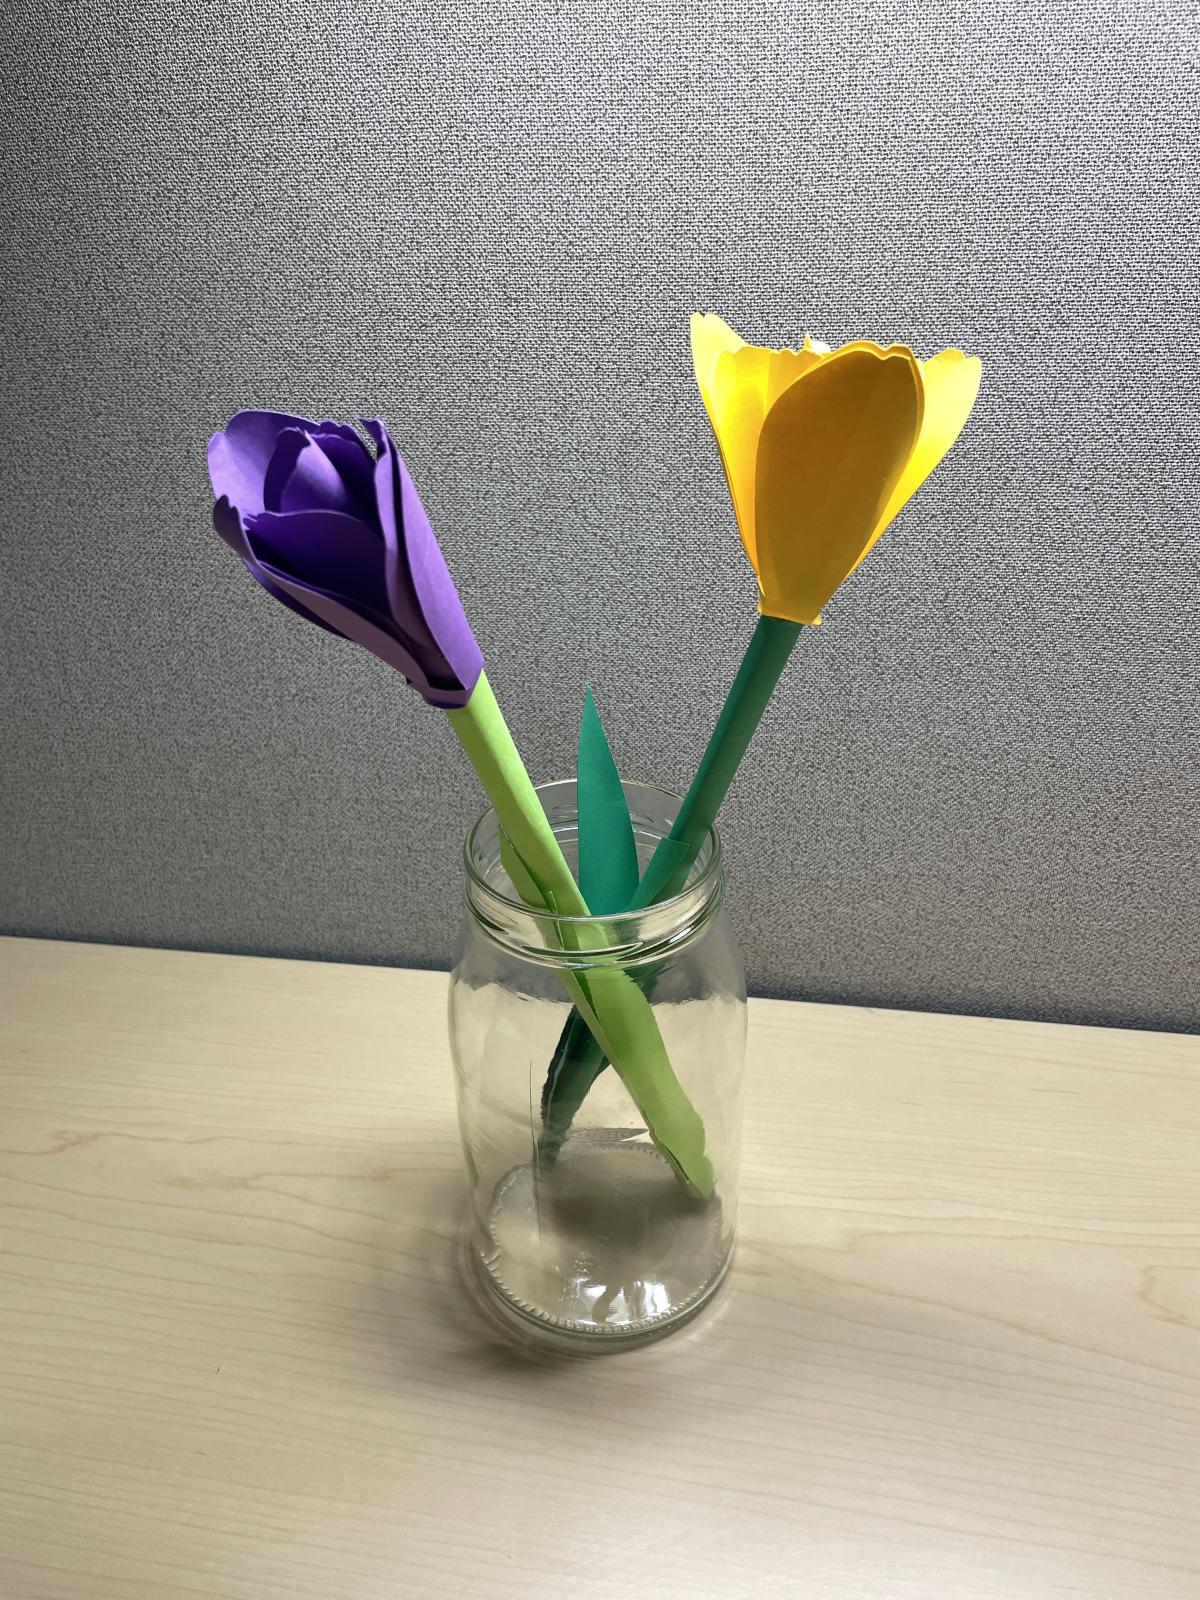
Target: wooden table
[959, 1358]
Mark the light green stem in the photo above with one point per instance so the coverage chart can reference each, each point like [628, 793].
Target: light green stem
[614, 1008]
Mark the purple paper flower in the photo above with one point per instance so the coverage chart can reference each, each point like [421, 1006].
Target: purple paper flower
[340, 536]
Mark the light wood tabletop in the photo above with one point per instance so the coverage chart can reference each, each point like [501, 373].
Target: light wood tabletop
[958, 1358]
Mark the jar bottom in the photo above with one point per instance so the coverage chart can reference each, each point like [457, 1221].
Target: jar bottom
[602, 1250]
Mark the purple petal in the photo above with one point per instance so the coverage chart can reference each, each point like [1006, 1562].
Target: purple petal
[402, 597]
[345, 544]
[333, 612]
[421, 591]
[239, 457]
[376, 431]
[260, 575]
[436, 592]
[356, 467]
[327, 549]
[229, 525]
[341, 430]
[301, 477]
[449, 696]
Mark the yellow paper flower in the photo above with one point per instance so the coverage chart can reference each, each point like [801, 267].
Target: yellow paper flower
[822, 448]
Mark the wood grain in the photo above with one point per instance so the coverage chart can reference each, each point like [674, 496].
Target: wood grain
[959, 1357]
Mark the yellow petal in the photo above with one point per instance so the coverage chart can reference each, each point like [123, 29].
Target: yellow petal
[787, 365]
[711, 337]
[951, 382]
[831, 451]
[746, 383]
[737, 411]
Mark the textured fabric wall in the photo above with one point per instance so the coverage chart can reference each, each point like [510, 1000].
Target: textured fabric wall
[978, 787]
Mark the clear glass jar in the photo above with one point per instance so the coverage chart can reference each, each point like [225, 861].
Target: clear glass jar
[590, 1238]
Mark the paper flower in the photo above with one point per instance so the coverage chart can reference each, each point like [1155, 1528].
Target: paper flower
[341, 537]
[822, 448]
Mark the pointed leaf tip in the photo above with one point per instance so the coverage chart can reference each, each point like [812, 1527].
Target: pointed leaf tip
[608, 864]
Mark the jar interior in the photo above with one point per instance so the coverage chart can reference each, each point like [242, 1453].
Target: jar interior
[590, 1238]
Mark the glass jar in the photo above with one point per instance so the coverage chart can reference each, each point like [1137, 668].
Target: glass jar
[585, 1234]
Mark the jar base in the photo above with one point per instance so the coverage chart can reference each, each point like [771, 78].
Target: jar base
[602, 1250]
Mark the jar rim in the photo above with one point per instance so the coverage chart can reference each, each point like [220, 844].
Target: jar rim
[708, 877]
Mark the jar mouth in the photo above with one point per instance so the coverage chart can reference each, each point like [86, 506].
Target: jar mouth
[698, 889]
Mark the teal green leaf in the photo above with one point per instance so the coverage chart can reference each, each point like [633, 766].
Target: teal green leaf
[578, 1059]
[608, 863]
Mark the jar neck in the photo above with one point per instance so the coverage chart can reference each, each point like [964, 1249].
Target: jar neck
[625, 939]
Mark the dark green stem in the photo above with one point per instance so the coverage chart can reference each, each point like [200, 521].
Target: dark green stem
[765, 658]
[578, 1061]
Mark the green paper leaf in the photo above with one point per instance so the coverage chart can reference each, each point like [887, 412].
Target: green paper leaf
[608, 863]
[579, 1058]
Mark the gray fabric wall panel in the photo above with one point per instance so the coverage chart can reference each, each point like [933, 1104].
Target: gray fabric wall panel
[977, 788]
